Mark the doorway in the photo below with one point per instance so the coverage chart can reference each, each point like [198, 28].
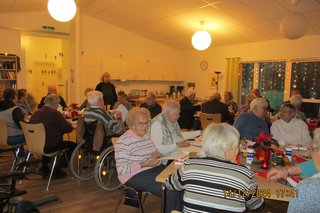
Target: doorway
[47, 63]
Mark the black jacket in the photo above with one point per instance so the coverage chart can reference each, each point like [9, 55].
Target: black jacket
[109, 93]
[217, 107]
[187, 110]
[62, 102]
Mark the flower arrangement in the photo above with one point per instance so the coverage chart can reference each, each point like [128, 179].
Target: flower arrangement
[263, 146]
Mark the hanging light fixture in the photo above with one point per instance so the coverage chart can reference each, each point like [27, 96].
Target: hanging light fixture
[201, 39]
[62, 10]
[294, 25]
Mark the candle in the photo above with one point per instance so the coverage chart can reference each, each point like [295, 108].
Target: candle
[264, 164]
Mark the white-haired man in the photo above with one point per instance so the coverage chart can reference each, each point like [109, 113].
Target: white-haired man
[188, 109]
[250, 124]
[113, 125]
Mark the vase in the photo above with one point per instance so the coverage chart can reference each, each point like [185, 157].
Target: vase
[263, 154]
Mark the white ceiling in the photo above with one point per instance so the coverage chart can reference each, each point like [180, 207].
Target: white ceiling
[172, 22]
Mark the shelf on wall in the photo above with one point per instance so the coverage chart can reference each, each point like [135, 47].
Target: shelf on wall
[311, 100]
[129, 80]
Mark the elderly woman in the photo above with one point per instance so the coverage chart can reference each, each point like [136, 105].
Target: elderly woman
[12, 115]
[85, 103]
[290, 129]
[108, 90]
[250, 124]
[23, 103]
[306, 169]
[228, 100]
[296, 100]
[165, 131]
[151, 104]
[122, 99]
[188, 109]
[207, 181]
[136, 156]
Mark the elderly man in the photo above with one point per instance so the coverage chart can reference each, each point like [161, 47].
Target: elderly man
[151, 104]
[188, 109]
[55, 126]
[113, 125]
[52, 89]
[214, 106]
[250, 124]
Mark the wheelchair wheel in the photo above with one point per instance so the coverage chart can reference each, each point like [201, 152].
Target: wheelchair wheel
[82, 162]
[105, 171]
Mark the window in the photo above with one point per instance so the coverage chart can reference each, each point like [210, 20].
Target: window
[246, 80]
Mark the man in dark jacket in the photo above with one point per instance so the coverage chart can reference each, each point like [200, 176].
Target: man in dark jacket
[52, 89]
[214, 106]
[55, 126]
[188, 109]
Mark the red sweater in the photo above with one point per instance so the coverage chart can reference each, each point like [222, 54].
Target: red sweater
[54, 123]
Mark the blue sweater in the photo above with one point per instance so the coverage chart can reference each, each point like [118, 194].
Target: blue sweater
[250, 126]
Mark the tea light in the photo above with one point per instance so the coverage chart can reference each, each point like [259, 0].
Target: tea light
[264, 164]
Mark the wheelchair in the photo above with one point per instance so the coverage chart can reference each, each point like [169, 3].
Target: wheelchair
[86, 164]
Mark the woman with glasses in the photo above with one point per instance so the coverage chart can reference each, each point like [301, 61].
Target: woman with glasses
[306, 169]
[137, 159]
[289, 128]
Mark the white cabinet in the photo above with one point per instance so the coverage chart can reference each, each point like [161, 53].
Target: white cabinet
[111, 66]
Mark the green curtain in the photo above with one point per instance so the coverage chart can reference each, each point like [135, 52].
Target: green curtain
[233, 76]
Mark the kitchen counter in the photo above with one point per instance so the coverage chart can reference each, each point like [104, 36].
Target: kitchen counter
[138, 101]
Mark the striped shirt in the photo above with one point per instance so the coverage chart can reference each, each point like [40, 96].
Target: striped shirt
[111, 124]
[207, 184]
[130, 151]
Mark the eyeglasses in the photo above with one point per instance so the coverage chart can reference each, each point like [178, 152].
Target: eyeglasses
[142, 124]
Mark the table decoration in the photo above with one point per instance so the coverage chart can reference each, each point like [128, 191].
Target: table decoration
[263, 146]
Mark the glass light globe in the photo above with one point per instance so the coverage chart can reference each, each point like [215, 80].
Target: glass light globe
[294, 26]
[201, 40]
[62, 10]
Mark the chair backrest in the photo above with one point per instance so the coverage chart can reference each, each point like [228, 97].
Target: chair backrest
[3, 133]
[207, 119]
[35, 136]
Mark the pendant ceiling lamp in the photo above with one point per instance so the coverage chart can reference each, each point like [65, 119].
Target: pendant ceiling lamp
[294, 25]
[201, 40]
[62, 10]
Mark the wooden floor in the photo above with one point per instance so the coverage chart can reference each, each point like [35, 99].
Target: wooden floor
[85, 196]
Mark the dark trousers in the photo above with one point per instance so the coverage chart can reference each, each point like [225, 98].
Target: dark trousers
[145, 181]
[62, 162]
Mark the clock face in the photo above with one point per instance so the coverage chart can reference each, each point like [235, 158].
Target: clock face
[204, 65]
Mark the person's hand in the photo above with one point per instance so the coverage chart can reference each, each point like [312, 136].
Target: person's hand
[277, 173]
[155, 155]
[183, 144]
[117, 114]
[150, 163]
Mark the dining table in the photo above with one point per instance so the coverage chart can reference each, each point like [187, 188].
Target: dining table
[280, 191]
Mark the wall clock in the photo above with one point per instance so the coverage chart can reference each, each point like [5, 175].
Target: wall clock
[204, 65]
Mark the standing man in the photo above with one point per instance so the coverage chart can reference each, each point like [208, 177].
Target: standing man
[55, 126]
[108, 90]
[188, 109]
[52, 89]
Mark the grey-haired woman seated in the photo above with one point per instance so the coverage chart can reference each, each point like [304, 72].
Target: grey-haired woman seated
[216, 183]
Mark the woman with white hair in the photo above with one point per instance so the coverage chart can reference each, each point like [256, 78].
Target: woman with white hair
[250, 124]
[209, 182]
[165, 131]
[290, 129]
[108, 90]
[188, 109]
[296, 100]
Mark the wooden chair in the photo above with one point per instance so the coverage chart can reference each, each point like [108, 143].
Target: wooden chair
[4, 147]
[35, 136]
[207, 119]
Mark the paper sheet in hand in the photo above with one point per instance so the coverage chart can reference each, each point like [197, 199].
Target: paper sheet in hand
[123, 111]
[175, 156]
[194, 143]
